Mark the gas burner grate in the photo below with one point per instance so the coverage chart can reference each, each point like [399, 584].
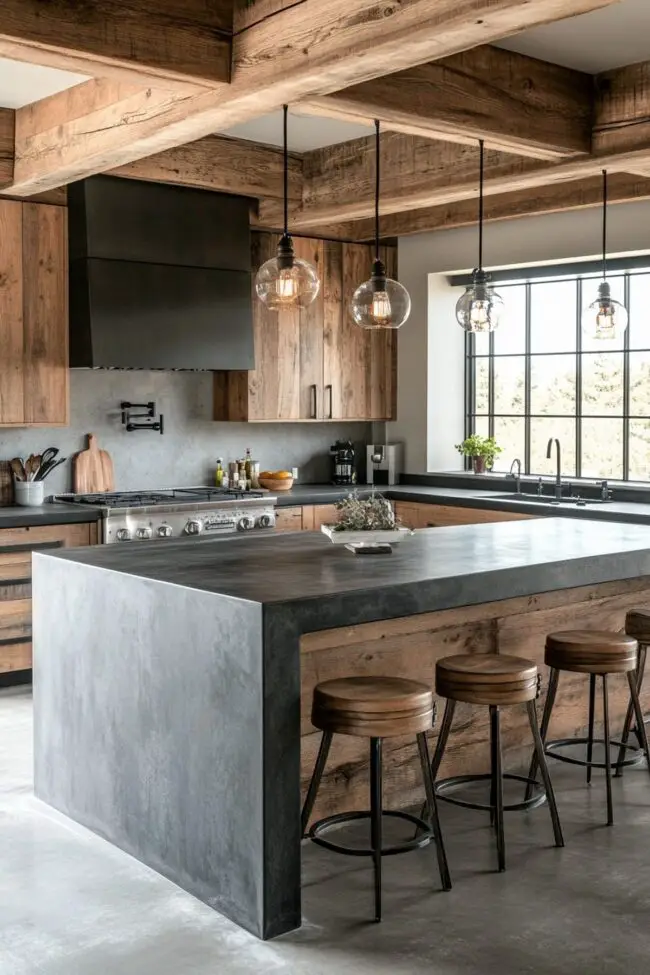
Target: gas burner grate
[143, 499]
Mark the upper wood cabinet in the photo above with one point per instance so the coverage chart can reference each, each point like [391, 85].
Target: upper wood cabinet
[33, 315]
[315, 363]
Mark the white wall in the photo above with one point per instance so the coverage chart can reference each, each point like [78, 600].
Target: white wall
[431, 345]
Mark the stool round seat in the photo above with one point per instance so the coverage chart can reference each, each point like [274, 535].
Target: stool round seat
[637, 625]
[372, 707]
[591, 652]
[486, 678]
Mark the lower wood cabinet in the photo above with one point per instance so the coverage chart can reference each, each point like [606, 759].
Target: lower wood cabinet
[16, 547]
[289, 519]
[414, 515]
[315, 515]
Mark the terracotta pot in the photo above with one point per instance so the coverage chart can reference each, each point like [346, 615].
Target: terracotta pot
[479, 465]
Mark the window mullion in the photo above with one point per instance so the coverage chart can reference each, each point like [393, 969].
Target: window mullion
[626, 383]
[527, 379]
[578, 407]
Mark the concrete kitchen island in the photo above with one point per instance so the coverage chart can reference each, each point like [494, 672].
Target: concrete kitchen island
[167, 677]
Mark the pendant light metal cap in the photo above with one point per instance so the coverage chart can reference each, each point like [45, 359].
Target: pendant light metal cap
[286, 255]
[378, 276]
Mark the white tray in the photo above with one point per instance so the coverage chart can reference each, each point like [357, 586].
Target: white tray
[368, 540]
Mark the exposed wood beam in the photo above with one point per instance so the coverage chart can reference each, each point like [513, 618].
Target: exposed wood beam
[559, 197]
[6, 146]
[224, 165]
[622, 121]
[281, 53]
[175, 43]
[516, 103]
[81, 131]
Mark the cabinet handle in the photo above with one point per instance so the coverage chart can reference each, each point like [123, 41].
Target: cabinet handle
[328, 389]
[314, 402]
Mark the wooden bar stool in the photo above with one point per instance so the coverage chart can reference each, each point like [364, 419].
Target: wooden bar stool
[375, 708]
[637, 625]
[595, 653]
[495, 680]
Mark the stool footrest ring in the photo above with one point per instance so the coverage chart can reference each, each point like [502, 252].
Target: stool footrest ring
[331, 822]
[551, 748]
[444, 786]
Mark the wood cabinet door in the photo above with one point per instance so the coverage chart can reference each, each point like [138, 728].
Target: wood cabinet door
[287, 382]
[45, 295]
[12, 375]
[416, 515]
[16, 548]
[288, 519]
[359, 365]
[324, 514]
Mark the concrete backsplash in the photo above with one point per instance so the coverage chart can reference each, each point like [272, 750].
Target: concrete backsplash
[187, 452]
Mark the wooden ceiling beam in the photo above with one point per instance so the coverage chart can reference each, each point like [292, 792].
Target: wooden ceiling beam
[184, 44]
[282, 52]
[224, 165]
[516, 103]
[555, 198]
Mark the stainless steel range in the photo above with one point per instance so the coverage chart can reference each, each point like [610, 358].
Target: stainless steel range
[130, 516]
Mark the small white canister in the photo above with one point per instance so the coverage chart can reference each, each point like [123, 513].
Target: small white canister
[29, 494]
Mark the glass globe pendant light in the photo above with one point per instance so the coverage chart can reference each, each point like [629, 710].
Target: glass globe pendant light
[286, 281]
[380, 302]
[605, 319]
[480, 308]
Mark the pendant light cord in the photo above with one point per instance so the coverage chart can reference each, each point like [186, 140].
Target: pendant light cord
[285, 109]
[604, 224]
[481, 145]
[377, 189]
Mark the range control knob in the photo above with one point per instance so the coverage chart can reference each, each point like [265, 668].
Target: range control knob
[245, 524]
[164, 531]
[266, 521]
[193, 527]
[144, 533]
[123, 534]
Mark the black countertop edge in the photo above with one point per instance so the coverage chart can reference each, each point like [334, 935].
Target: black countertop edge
[14, 516]
[464, 497]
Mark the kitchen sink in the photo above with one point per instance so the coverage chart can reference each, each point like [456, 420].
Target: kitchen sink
[546, 499]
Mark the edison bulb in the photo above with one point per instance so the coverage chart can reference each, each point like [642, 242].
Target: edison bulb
[285, 281]
[605, 319]
[380, 302]
[480, 308]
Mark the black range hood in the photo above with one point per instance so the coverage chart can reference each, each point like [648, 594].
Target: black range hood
[160, 277]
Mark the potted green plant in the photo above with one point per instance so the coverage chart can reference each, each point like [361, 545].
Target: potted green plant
[482, 450]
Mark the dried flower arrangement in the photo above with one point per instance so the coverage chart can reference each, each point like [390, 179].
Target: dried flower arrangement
[370, 514]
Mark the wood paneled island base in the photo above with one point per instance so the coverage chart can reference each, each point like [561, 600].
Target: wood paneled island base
[410, 646]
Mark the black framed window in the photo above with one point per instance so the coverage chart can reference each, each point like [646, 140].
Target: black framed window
[539, 376]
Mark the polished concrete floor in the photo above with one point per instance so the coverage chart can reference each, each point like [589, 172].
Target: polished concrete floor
[70, 904]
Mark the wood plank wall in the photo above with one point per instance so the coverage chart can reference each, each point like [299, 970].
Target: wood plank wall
[409, 647]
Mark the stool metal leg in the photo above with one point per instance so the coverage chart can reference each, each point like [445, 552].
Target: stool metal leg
[497, 780]
[640, 724]
[432, 806]
[314, 785]
[629, 714]
[493, 782]
[375, 818]
[551, 693]
[592, 709]
[443, 738]
[608, 758]
[546, 777]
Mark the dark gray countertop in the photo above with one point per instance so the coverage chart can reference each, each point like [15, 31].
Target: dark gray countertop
[13, 516]
[326, 585]
[620, 511]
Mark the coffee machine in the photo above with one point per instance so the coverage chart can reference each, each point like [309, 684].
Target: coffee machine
[384, 463]
[344, 469]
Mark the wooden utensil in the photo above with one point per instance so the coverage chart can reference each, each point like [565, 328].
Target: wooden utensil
[18, 469]
[93, 469]
[32, 465]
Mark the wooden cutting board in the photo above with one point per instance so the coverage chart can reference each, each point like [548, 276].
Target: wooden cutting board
[93, 469]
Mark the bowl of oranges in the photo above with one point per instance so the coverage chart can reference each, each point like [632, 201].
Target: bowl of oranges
[276, 480]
